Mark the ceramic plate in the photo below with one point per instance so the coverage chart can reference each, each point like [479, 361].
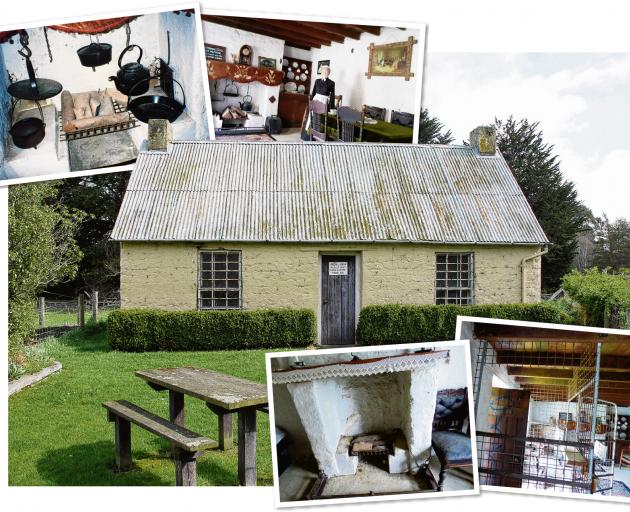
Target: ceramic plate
[290, 87]
[301, 88]
[290, 75]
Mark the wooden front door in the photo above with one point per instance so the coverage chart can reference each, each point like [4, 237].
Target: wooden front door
[509, 409]
[338, 300]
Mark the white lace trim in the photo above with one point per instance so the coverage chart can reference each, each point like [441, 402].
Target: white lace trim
[386, 365]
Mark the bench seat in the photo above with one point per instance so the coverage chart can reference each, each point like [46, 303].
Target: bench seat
[187, 445]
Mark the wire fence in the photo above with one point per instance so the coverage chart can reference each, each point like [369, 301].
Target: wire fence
[56, 316]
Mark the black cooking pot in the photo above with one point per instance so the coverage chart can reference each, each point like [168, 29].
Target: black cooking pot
[155, 106]
[130, 74]
[28, 132]
[95, 54]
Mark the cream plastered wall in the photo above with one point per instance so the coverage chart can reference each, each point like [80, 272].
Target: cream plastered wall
[164, 275]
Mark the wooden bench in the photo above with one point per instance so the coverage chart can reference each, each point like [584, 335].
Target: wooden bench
[187, 445]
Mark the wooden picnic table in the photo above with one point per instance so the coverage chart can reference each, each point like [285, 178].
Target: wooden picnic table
[224, 395]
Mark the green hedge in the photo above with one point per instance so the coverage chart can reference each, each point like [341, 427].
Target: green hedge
[145, 330]
[393, 323]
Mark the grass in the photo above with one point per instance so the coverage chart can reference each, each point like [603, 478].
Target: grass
[59, 434]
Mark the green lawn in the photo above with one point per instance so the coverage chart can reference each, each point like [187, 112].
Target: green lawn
[59, 434]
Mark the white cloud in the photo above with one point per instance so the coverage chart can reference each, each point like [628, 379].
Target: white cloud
[466, 90]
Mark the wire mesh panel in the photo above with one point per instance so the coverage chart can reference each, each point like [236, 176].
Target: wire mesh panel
[537, 433]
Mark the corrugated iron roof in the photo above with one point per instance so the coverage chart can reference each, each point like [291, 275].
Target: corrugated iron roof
[314, 192]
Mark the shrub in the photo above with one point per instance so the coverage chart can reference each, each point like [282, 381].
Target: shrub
[402, 323]
[601, 295]
[144, 330]
[91, 327]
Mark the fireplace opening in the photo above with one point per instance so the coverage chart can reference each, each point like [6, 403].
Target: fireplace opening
[365, 420]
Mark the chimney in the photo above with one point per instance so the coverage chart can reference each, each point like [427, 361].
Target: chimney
[483, 139]
[160, 134]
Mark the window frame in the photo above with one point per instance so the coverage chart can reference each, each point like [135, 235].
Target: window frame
[200, 279]
[446, 288]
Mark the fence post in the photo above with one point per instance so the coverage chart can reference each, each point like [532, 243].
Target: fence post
[94, 306]
[81, 310]
[42, 311]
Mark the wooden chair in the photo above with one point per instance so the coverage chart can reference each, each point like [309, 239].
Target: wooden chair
[402, 118]
[338, 100]
[319, 120]
[450, 441]
[624, 458]
[346, 119]
[377, 113]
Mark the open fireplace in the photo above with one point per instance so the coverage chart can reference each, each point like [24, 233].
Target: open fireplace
[366, 416]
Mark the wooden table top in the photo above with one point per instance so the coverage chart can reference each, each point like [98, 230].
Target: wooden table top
[215, 388]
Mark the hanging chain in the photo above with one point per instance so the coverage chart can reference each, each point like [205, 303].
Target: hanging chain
[48, 43]
[25, 51]
[128, 32]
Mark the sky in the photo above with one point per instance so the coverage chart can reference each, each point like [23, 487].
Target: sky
[582, 102]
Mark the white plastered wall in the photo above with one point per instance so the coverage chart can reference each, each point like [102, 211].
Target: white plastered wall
[349, 63]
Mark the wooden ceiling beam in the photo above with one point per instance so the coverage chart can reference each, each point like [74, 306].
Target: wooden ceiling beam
[500, 332]
[322, 29]
[371, 29]
[561, 373]
[544, 381]
[298, 28]
[237, 23]
[558, 360]
[335, 28]
[290, 31]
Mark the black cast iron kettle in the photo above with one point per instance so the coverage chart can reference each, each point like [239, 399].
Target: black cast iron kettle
[131, 74]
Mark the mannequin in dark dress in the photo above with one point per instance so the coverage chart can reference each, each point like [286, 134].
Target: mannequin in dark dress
[325, 87]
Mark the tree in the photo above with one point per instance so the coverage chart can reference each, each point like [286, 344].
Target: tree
[553, 199]
[100, 196]
[42, 251]
[611, 243]
[431, 130]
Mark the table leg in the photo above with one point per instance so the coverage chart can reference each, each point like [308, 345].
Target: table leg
[226, 428]
[176, 407]
[247, 446]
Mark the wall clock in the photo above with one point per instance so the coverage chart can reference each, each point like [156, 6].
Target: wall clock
[245, 55]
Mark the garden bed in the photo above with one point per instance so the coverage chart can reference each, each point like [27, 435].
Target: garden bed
[26, 381]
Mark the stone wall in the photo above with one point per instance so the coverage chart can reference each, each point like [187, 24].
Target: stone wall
[164, 275]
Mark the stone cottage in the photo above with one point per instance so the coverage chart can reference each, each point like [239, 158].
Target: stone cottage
[330, 227]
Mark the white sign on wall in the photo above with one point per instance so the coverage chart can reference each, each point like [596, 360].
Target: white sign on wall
[338, 268]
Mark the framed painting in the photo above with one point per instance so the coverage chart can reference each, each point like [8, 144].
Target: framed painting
[392, 59]
[267, 62]
[321, 64]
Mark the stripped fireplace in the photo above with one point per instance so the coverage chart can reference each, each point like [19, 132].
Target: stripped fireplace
[379, 407]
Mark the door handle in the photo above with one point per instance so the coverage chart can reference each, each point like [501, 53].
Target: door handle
[325, 301]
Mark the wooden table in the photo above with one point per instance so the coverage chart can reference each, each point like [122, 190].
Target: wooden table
[224, 395]
[381, 131]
